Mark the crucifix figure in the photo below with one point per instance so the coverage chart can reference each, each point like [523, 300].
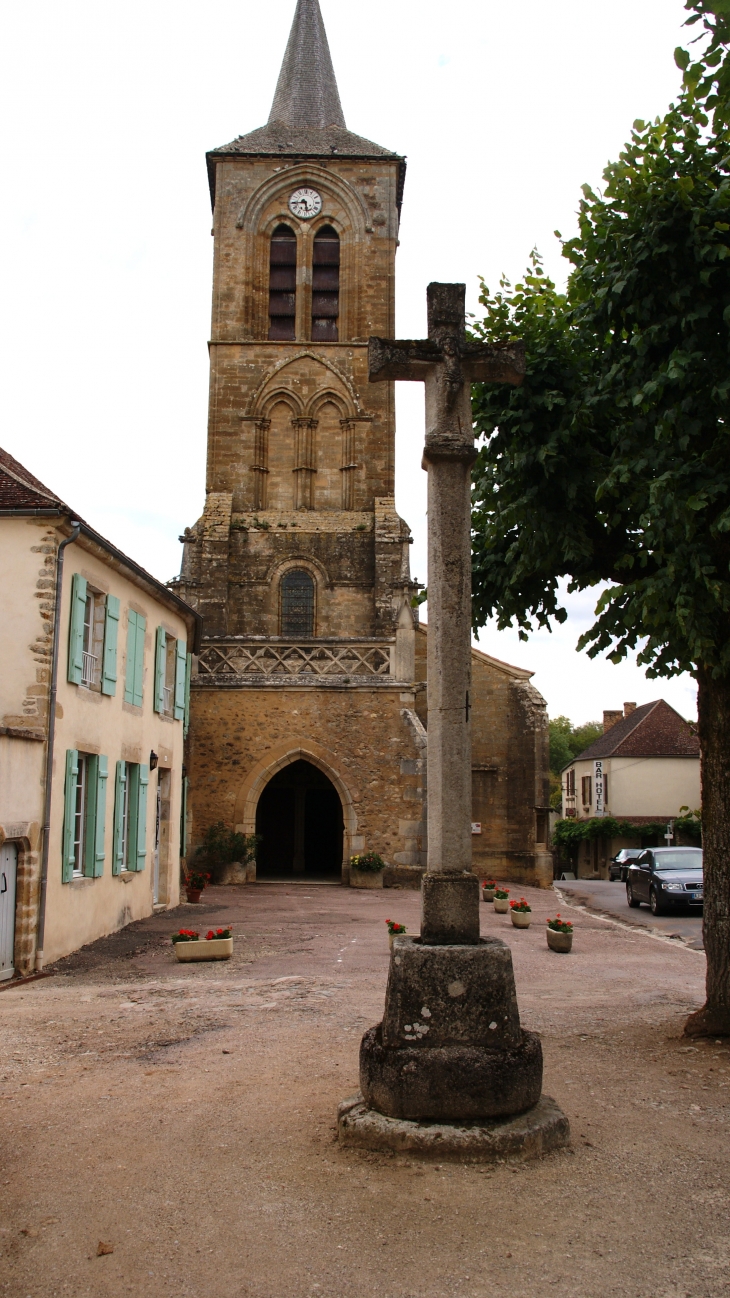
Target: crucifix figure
[448, 364]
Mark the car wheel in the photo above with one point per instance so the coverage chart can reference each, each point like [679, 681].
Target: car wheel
[655, 906]
[631, 899]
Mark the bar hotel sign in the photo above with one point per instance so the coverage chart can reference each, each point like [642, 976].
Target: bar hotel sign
[599, 788]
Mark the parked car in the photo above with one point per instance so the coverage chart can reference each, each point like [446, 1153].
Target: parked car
[618, 866]
[666, 878]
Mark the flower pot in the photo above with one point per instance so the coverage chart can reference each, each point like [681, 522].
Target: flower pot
[521, 918]
[392, 937]
[559, 941]
[218, 948]
[193, 894]
[501, 905]
[366, 878]
[487, 894]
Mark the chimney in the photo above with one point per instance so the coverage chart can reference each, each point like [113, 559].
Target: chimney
[610, 719]
[628, 708]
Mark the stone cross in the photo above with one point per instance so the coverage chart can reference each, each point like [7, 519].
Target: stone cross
[448, 365]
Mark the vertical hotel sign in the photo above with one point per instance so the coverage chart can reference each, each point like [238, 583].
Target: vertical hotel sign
[599, 788]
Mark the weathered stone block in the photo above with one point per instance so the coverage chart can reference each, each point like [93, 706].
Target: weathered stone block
[451, 996]
[450, 1083]
[449, 909]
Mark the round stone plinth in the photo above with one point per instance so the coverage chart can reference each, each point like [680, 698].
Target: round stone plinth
[538, 1131]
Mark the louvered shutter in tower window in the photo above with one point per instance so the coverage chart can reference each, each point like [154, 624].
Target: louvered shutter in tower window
[120, 785]
[109, 660]
[69, 813]
[76, 629]
[181, 662]
[160, 643]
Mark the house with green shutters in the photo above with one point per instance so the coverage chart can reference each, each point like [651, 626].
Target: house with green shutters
[96, 660]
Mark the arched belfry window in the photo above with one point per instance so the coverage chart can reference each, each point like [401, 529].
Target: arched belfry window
[283, 285]
[326, 285]
[297, 603]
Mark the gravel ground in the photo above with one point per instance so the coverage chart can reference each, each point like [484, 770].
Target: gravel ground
[182, 1119]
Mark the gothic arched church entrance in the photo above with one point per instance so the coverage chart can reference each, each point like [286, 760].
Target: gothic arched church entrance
[299, 818]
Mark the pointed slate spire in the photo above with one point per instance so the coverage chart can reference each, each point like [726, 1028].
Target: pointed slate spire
[306, 92]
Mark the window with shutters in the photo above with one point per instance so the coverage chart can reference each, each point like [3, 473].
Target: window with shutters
[79, 816]
[93, 639]
[570, 784]
[297, 604]
[84, 824]
[130, 817]
[283, 285]
[326, 285]
[586, 792]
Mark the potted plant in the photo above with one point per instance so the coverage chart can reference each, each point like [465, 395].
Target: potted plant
[228, 857]
[501, 900]
[488, 889]
[366, 870]
[216, 945]
[394, 930]
[195, 882]
[560, 934]
[521, 913]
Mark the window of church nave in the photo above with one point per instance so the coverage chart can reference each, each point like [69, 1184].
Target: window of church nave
[297, 604]
[325, 285]
[283, 285]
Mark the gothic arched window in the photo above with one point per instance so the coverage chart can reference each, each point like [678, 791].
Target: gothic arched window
[326, 285]
[283, 285]
[297, 603]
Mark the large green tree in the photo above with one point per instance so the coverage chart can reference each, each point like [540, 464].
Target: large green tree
[610, 466]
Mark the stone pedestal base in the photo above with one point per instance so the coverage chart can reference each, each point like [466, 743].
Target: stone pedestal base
[450, 1083]
[539, 1131]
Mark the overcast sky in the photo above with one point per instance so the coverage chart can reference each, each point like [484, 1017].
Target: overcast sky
[503, 110]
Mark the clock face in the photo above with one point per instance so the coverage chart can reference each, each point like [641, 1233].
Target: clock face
[305, 203]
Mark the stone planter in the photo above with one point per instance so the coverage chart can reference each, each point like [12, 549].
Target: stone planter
[193, 894]
[218, 948]
[487, 894]
[366, 878]
[501, 905]
[562, 942]
[521, 918]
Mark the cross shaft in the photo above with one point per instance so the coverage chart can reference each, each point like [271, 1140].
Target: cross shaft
[448, 364]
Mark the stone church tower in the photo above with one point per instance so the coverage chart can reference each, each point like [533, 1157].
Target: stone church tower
[304, 725]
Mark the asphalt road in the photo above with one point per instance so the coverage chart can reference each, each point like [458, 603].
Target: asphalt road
[610, 899]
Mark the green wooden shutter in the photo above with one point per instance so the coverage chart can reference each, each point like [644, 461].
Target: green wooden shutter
[69, 813]
[134, 678]
[120, 784]
[181, 666]
[188, 673]
[89, 852]
[160, 645]
[184, 818]
[109, 658]
[76, 628]
[139, 660]
[142, 785]
[139, 777]
[102, 771]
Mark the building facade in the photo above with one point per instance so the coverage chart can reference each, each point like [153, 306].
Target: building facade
[643, 768]
[306, 725]
[125, 645]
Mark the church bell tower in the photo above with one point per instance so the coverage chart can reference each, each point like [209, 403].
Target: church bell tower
[299, 537]
[299, 564]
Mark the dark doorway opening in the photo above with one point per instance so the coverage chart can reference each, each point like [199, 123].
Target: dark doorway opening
[299, 818]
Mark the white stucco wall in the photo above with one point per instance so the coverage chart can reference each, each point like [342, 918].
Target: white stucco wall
[642, 786]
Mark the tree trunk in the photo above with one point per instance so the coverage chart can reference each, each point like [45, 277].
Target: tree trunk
[713, 705]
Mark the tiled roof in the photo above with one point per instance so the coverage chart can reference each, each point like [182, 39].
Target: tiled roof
[20, 490]
[653, 730]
